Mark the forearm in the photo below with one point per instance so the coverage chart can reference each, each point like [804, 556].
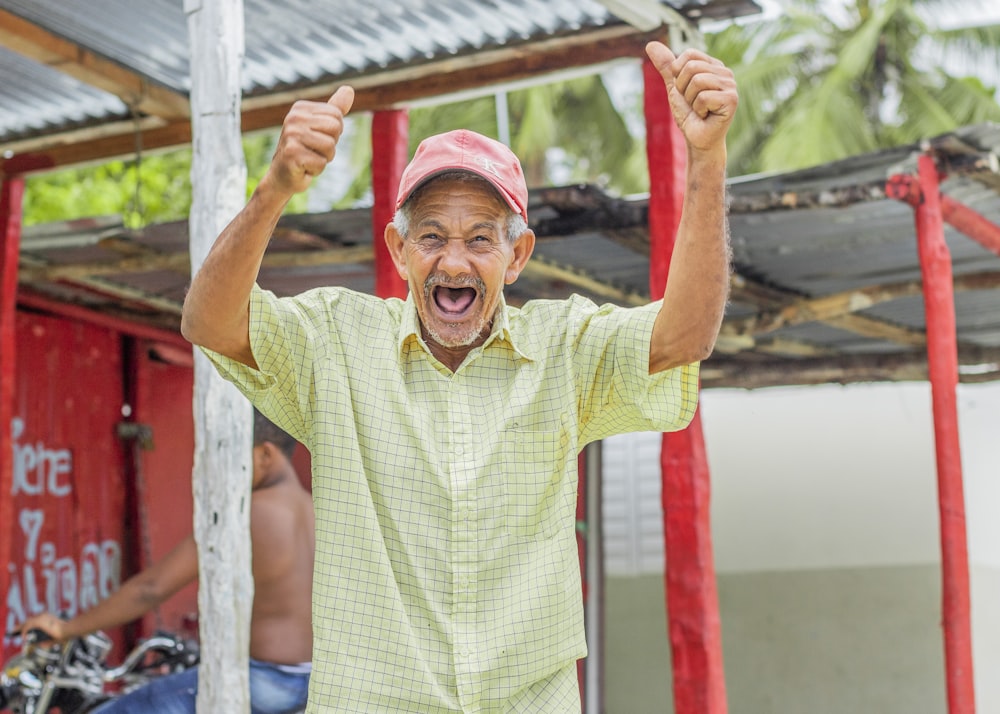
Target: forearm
[126, 604]
[216, 309]
[696, 292]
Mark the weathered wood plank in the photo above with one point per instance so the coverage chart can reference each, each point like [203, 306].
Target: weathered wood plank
[222, 417]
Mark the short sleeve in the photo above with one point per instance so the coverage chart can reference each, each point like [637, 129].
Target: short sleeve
[282, 341]
[620, 395]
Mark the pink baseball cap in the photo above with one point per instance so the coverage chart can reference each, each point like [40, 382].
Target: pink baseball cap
[465, 150]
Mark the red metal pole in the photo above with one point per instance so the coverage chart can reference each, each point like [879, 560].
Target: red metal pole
[971, 223]
[11, 195]
[942, 362]
[390, 152]
[975, 225]
[692, 600]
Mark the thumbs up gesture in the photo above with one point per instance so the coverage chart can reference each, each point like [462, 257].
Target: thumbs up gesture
[308, 141]
[702, 94]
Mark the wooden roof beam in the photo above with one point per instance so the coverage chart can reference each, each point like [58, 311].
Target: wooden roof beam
[778, 300]
[544, 267]
[840, 310]
[33, 273]
[975, 365]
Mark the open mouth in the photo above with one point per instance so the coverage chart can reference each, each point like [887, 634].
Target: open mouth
[453, 301]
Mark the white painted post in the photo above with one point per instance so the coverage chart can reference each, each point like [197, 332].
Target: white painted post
[222, 417]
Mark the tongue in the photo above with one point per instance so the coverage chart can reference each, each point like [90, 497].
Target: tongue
[454, 299]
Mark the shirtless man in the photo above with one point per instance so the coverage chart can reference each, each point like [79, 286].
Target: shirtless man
[281, 525]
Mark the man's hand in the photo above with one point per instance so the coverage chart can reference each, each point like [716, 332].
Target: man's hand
[308, 142]
[48, 623]
[702, 93]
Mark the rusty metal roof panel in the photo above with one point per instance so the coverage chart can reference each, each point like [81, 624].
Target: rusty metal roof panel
[825, 249]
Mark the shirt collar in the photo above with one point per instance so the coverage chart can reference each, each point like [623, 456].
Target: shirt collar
[409, 329]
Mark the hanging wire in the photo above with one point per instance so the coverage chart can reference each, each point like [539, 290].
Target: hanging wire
[138, 209]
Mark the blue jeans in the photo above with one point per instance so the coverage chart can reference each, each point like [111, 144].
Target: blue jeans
[272, 691]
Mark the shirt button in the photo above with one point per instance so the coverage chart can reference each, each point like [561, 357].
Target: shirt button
[464, 652]
[459, 450]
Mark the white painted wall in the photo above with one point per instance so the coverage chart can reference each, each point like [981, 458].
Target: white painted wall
[821, 490]
[817, 477]
[825, 477]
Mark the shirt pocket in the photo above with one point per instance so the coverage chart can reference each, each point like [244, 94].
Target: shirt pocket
[538, 497]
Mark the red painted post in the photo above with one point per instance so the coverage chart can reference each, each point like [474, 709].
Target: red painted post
[973, 224]
[692, 600]
[942, 363]
[390, 152]
[11, 195]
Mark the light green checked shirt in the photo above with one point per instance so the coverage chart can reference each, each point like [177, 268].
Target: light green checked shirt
[447, 577]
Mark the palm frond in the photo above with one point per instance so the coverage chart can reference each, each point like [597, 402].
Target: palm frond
[825, 123]
[931, 110]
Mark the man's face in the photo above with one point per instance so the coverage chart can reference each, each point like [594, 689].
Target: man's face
[456, 259]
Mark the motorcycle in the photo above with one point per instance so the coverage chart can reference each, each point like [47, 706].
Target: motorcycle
[75, 677]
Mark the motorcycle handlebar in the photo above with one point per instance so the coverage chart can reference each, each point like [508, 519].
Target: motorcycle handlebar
[157, 642]
[33, 636]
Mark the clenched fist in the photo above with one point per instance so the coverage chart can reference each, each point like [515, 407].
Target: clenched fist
[308, 141]
[702, 94]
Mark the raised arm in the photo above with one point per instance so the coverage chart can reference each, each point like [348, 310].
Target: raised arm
[217, 307]
[137, 596]
[703, 100]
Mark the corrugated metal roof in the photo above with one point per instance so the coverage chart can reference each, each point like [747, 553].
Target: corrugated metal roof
[35, 98]
[289, 44]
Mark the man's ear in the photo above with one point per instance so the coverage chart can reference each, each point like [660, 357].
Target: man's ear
[523, 248]
[261, 461]
[394, 241]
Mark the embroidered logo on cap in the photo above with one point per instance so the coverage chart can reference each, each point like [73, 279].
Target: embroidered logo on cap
[489, 164]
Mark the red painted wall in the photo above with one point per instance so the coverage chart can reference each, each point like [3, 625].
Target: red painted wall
[68, 493]
[88, 511]
[162, 401]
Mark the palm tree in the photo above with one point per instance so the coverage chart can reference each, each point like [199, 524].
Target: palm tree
[817, 86]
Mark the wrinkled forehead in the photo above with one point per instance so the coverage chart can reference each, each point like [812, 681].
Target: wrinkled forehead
[455, 179]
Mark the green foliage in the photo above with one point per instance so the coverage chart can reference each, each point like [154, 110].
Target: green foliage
[155, 189]
[815, 88]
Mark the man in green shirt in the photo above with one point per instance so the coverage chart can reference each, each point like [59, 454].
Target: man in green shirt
[444, 429]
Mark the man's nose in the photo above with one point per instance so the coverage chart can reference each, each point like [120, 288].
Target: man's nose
[454, 258]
